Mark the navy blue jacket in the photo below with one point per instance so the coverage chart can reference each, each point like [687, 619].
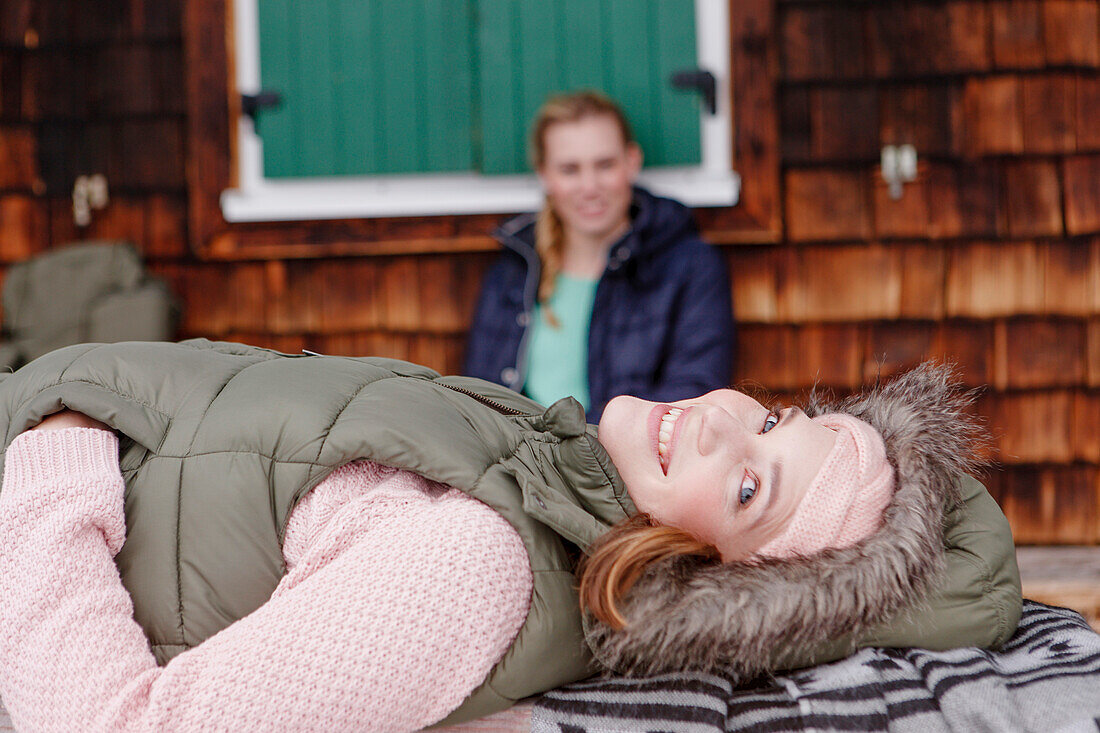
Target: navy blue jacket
[662, 321]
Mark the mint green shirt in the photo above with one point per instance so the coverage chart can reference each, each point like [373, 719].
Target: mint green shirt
[557, 358]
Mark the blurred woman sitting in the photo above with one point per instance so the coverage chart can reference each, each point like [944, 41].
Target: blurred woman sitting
[608, 290]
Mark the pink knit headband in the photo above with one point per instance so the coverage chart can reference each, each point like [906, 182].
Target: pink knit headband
[846, 499]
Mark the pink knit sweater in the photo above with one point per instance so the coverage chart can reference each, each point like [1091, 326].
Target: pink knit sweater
[400, 596]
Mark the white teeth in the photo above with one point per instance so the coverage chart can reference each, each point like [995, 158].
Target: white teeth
[664, 434]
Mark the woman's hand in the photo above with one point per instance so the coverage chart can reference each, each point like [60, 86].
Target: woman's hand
[69, 419]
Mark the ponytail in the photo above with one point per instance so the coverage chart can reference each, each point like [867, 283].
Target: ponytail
[549, 236]
[619, 558]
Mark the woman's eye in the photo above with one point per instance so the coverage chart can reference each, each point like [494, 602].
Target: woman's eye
[748, 488]
[770, 422]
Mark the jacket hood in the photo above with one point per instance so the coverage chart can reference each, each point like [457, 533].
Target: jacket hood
[655, 221]
[689, 614]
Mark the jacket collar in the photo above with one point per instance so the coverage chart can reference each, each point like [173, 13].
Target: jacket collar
[655, 221]
[732, 617]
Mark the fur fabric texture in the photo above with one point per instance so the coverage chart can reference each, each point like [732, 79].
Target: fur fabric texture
[691, 614]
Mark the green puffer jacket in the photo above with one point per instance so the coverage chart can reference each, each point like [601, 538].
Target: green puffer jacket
[219, 441]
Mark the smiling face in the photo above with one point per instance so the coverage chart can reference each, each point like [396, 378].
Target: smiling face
[588, 171]
[722, 466]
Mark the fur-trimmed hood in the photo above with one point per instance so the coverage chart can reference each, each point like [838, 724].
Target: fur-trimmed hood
[691, 614]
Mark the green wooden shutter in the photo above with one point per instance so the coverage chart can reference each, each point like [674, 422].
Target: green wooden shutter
[402, 86]
[626, 48]
[368, 86]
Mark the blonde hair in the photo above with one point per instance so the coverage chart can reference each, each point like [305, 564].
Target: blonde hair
[620, 556]
[549, 232]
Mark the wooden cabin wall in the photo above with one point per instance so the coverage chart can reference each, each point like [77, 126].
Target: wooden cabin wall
[991, 258]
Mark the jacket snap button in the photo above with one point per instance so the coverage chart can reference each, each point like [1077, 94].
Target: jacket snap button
[540, 502]
[522, 319]
[509, 375]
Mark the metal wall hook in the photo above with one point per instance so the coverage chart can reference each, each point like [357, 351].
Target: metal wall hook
[899, 166]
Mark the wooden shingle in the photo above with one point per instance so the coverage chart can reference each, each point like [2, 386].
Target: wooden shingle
[293, 302]
[470, 273]
[1028, 508]
[756, 277]
[896, 347]
[922, 115]
[797, 125]
[15, 20]
[988, 280]
[165, 226]
[61, 227]
[1073, 493]
[1034, 354]
[1088, 111]
[1086, 426]
[23, 227]
[122, 81]
[975, 200]
[1082, 194]
[440, 352]
[247, 296]
[1051, 504]
[991, 116]
[1033, 198]
[845, 283]
[148, 153]
[763, 356]
[834, 136]
[441, 298]
[907, 216]
[405, 228]
[827, 205]
[1071, 271]
[350, 296]
[966, 26]
[795, 358]
[1018, 41]
[1049, 112]
[923, 268]
[823, 42]
[153, 19]
[54, 84]
[11, 83]
[123, 218]
[18, 157]
[1071, 31]
[968, 345]
[952, 37]
[831, 355]
[401, 303]
[1031, 427]
[202, 290]
[1093, 345]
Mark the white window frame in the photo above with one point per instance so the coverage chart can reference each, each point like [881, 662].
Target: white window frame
[711, 183]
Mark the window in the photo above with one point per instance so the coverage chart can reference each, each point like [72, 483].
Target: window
[413, 107]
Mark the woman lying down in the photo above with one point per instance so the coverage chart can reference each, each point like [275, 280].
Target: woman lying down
[213, 536]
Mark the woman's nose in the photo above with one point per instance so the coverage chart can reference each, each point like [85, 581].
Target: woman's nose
[589, 181]
[720, 429]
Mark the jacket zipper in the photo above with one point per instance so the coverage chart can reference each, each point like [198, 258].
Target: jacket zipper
[488, 402]
[530, 293]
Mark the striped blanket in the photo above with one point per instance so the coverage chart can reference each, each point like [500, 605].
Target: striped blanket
[1047, 678]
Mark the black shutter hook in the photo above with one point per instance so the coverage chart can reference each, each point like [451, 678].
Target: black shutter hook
[700, 80]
